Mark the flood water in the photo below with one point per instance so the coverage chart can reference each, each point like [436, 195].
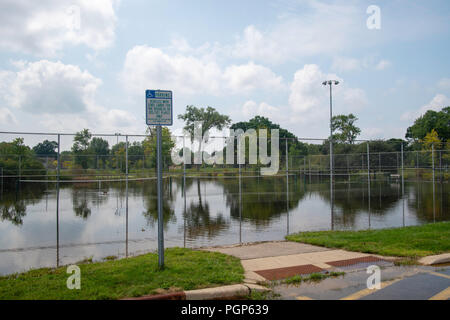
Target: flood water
[99, 220]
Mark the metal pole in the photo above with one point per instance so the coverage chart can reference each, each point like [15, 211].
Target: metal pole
[403, 180]
[368, 179]
[287, 157]
[432, 160]
[403, 188]
[126, 157]
[184, 158]
[331, 139]
[57, 199]
[126, 191]
[309, 168]
[58, 157]
[160, 204]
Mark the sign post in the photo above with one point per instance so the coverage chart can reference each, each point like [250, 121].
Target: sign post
[158, 112]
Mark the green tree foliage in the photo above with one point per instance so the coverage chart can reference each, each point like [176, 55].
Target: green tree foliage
[258, 122]
[149, 146]
[46, 148]
[432, 140]
[99, 146]
[345, 127]
[209, 117]
[80, 148]
[437, 120]
[16, 157]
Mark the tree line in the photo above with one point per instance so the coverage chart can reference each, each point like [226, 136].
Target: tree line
[431, 130]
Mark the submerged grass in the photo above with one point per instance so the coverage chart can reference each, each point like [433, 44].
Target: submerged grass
[413, 242]
[185, 269]
[314, 277]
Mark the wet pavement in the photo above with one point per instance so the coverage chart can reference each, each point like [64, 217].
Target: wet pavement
[397, 283]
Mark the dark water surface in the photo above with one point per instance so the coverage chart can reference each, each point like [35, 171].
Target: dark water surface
[94, 219]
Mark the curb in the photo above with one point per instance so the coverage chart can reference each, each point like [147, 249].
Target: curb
[436, 259]
[224, 292]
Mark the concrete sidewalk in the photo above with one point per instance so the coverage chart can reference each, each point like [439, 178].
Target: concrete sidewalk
[280, 259]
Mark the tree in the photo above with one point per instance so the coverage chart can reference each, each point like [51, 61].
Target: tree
[81, 140]
[80, 147]
[258, 122]
[16, 157]
[149, 145]
[345, 125]
[432, 139]
[209, 117]
[437, 120]
[46, 148]
[99, 147]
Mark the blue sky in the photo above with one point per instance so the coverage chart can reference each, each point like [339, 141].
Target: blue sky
[67, 65]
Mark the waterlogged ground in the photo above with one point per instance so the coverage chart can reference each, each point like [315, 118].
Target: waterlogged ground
[99, 220]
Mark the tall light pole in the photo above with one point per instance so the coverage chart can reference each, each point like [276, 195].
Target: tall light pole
[330, 83]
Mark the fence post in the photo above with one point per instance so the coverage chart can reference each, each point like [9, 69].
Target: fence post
[432, 160]
[304, 165]
[402, 168]
[126, 157]
[287, 158]
[58, 157]
[20, 167]
[368, 180]
[379, 161]
[417, 164]
[309, 168]
[184, 159]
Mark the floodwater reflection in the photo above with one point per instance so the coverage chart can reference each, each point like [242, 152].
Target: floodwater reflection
[56, 224]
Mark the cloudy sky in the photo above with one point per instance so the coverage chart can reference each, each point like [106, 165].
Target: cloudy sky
[68, 65]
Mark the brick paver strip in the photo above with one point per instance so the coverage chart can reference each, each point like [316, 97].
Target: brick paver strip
[282, 273]
[349, 262]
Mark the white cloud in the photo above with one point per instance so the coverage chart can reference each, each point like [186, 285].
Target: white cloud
[251, 109]
[147, 67]
[251, 76]
[309, 99]
[437, 103]
[51, 87]
[45, 27]
[308, 105]
[59, 97]
[7, 117]
[319, 28]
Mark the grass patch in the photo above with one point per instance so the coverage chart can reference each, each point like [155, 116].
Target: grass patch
[413, 242]
[314, 277]
[131, 277]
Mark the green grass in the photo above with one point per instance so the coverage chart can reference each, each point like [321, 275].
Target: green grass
[412, 242]
[314, 277]
[185, 269]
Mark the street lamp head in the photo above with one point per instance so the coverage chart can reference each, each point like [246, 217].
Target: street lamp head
[336, 82]
[324, 83]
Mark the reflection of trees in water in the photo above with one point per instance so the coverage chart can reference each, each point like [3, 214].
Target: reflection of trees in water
[263, 198]
[420, 201]
[13, 205]
[199, 222]
[149, 192]
[352, 199]
[86, 195]
[80, 203]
